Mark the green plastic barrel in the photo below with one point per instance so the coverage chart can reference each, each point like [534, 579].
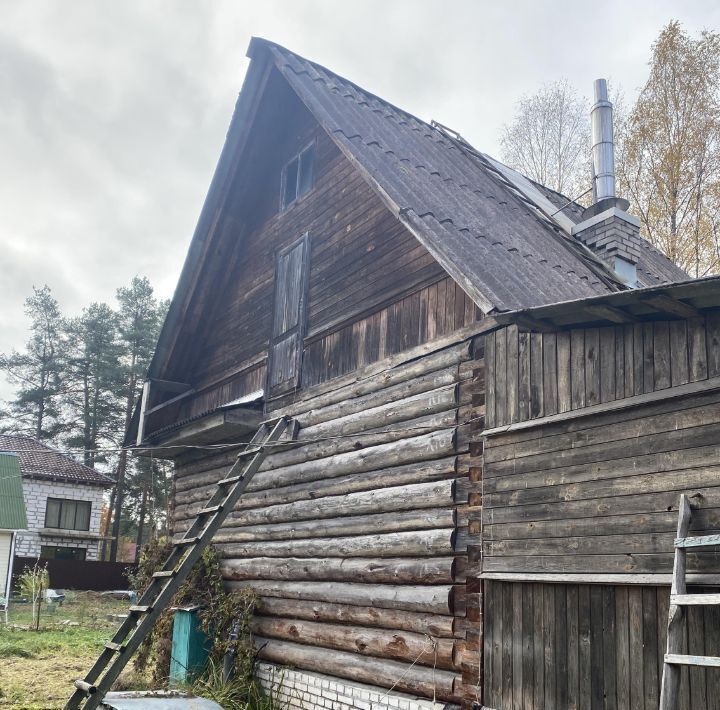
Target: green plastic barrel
[190, 647]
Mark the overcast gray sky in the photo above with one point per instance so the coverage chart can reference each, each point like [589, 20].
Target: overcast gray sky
[112, 114]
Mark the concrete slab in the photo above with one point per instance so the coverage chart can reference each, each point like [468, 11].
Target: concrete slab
[168, 700]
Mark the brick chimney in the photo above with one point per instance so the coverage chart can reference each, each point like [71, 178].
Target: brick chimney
[607, 229]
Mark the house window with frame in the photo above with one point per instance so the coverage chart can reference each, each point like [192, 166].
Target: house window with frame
[298, 175]
[64, 514]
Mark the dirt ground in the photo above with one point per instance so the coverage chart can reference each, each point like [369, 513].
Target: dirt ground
[37, 668]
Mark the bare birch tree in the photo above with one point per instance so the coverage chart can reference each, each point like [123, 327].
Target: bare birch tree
[548, 139]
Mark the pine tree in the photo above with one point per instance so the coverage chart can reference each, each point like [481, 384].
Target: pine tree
[38, 370]
[139, 319]
[92, 378]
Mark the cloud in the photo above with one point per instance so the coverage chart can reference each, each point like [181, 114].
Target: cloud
[114, 113]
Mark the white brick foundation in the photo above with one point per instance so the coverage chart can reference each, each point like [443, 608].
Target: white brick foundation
[304, 690]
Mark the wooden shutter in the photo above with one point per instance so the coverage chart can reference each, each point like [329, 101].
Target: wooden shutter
[289, 307]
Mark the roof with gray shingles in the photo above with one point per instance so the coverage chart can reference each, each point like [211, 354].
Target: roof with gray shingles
[654, 268]
[39, 460]
[499, 249]
[463, 215]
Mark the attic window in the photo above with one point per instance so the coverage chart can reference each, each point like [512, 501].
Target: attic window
[297, 175]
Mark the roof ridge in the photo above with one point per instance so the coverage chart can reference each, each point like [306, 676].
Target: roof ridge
[261, 42]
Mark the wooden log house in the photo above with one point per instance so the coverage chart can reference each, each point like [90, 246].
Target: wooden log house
[480, 478]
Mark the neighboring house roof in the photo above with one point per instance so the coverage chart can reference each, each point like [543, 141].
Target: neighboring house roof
[39, 460]
[503, 248]
[12, 503]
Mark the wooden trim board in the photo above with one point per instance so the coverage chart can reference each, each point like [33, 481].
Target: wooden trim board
[637, 401]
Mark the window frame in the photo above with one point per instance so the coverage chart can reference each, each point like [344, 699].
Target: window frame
[284, 204]
[77, 503]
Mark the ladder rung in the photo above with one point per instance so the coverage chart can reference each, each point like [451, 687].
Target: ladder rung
[140, 609]
[164, 573]
[211, 509]
[87, 688]
[230, 481]
[270, 423]
[186, 541]
[698, 541]
[693, 599]
[249, 452]
[117, 647]
[678, 659]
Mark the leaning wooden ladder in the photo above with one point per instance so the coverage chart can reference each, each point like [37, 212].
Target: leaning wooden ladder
[90, 691]
[679, 599]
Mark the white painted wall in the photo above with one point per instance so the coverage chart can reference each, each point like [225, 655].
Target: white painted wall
[5, 566]
[36, 493]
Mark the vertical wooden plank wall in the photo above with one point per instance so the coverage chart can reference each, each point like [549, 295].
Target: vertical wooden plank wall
[539, 374]
[432, 312]
[596, 647]
[599, 494]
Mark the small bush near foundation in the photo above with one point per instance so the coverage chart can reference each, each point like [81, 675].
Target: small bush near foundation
[241, 693]
[219, 611]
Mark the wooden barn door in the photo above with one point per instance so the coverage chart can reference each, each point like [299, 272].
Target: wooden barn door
[289, 309]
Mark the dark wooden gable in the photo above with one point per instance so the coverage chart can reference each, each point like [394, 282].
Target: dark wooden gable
[358, 258]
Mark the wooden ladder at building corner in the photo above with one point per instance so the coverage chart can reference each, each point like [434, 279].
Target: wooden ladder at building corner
[679, 599]
[90, 691]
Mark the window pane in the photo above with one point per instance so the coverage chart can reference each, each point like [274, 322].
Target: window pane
[67, 515]
[291, 182]
[307, 159]
[52, 552]
[82, 517]
[52, 513]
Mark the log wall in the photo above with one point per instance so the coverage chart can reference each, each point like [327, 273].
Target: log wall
[598, 647]
[357, 541]
[532, 375]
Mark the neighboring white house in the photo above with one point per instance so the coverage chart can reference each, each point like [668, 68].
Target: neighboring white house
[63, 500]
[12, 519]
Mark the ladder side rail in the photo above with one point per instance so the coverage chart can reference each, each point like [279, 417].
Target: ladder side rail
[158, 600]
[671, 672]
[248, 468]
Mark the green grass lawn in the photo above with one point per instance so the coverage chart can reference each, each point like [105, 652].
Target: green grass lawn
[37, 668]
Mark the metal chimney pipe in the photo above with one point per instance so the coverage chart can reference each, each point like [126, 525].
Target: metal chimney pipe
[603, 156]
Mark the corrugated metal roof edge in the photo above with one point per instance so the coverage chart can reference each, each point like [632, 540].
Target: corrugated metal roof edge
[705, 286]
[13, 515]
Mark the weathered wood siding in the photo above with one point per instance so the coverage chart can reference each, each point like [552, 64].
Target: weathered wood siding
[373, 291]
[357, 541]
[568, 646]
[599, 494]
[430, 313]
[532, 375]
